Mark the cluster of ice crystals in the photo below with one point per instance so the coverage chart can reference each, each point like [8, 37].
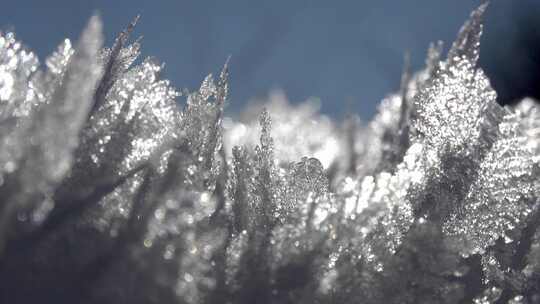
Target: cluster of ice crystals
[16, 67]
[450, 109]
[114, 188]
[16, 94]
[484, 183]
[503, 193]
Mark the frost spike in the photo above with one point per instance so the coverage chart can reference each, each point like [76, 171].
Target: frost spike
[223, 83]
[240, 207]
[220, 94]
[403, 124]
[109, 77]
[467, 43]
[71, 102]
[433, 57]
[266, 141]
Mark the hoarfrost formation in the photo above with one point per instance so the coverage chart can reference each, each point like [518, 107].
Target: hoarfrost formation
[116, 187]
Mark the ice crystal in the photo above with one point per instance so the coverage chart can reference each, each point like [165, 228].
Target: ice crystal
[117, 187]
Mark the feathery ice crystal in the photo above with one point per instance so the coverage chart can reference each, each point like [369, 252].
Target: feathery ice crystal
[117, 188]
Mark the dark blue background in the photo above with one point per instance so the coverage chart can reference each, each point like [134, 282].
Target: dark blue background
[347, 53]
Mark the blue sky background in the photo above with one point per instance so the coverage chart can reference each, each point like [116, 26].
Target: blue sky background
[347, 53]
